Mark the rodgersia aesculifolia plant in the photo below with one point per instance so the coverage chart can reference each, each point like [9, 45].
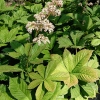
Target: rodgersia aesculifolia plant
[60, 60]
[42, 22]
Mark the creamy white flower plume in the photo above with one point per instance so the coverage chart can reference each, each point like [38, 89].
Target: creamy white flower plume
[41, 39]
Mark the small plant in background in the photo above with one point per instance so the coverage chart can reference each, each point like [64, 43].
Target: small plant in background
[49, 50]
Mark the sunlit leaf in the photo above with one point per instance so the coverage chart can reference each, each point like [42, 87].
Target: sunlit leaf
[82, 57]
[75, 91]
[34, 84]
[71, 80]
[49, 85]
[68, 60]
[34, 76]
[95, 42]
[39, 92]
[86, 74]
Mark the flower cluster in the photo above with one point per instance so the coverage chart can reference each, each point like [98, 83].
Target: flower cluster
[42, 23]
[41, 38]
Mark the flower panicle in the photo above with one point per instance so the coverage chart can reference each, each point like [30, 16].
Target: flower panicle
[42, 23]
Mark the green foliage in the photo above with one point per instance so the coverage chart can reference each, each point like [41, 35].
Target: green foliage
[67, 68]
[18, 89]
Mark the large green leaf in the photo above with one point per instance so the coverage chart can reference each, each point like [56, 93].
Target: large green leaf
[18, 88]
[81, 98]
[7, 36]
[93, 63]
[35, 83]
[7, 19]
[5, 96]
[65, 18]
[8, 68]
[91, 89]
[82, 57]
[64, 42]
[78, 41]
[15, 55]
[49, 85]
[34, 76]
[95, 42]
[27, 48]
[60, 67]
[39, 92]
[71, 80]
[36, 8]
[88, 23]
[50, 68]
[86, 74]
[41, 70]
[68, 60]
[18, 47]
[19, 14]
[75, 91]
[97, 33]
[60, 76]
[36, 50]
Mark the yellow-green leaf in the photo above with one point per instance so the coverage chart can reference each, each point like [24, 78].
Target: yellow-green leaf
[68, 60]
[86, 74]
[39, 92]
[34, 76]
[71, 80]
[82, 57]
[34, 84]
[49, 85]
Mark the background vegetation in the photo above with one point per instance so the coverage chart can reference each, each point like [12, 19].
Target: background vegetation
[66, 69]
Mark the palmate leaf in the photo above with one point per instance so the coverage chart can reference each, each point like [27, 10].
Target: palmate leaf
[86, 74]
[18, 88]
[36, 8]
[64, 42]
[77, 40]
[8, 36]
[68, 60]
[82, 57]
